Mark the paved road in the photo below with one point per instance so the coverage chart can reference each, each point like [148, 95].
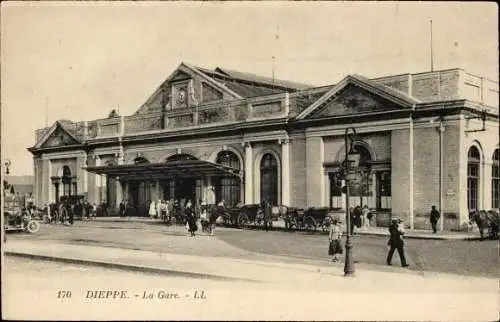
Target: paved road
[460, 257]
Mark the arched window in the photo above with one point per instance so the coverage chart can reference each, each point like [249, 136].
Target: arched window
[495, 180]
[180, 157]
[66, 180]
[228, 188]
[474, 158]
[269, 179]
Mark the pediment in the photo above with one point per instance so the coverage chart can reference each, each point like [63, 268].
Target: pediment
[180, 76]
[59, 137]
[353, 99]
[186, 87]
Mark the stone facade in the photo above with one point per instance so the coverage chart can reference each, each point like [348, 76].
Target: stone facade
[415, 129]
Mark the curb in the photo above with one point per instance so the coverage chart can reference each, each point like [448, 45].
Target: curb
[127, 267]
[471, 238]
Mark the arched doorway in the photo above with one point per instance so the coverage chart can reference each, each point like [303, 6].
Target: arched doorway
[269, 179]
[228, 188]
[473, 161]
[181, 188]
[495, 180]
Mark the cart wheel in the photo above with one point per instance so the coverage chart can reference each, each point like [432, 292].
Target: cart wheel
[33, 226]
[310, 224]
[243, 221]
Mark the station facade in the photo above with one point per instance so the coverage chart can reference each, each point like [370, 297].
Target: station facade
[424, 139]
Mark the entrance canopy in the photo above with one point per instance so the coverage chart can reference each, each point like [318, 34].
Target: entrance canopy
[166, 170]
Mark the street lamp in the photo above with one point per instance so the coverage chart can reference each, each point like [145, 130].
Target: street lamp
[7, 164]
[350, 164]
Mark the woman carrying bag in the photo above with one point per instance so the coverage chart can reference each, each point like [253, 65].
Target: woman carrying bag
[335, 238]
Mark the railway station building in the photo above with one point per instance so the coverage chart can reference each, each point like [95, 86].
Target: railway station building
[423, 139]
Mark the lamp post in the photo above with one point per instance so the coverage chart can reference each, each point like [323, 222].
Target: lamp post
[350, 157]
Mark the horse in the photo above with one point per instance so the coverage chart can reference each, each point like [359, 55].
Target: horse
[486, 219]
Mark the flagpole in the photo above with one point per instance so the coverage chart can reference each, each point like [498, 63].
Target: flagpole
[46, 111]
[432, 56]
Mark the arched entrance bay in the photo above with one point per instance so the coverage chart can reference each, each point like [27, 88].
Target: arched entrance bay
[269, 179]
[228, 188]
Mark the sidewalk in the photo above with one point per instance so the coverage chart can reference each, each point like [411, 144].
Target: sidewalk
[302, 275]
[268, 290]
[369, 231]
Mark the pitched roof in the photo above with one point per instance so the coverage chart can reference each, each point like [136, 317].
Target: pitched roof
[63, 124]
[261, 79]
[250, 85]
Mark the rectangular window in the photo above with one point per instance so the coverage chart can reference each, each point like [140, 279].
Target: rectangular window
[335, 190]
[384, 193]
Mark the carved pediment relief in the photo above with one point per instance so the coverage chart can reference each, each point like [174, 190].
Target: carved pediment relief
[59, 138]
[353, 100]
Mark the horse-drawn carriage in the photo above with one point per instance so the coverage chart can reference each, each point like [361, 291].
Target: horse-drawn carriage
[309, 219]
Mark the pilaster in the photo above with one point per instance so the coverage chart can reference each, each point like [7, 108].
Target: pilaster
[285, 172]
[248, 173]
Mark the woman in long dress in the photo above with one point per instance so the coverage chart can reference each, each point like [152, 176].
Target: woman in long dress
[191, 218]
[335, 238]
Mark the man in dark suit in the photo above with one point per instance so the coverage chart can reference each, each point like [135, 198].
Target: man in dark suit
[434, 219]
[396, 241]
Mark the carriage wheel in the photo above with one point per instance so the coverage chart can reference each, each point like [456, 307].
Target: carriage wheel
[33, 226]
[310, 223]
[243, 221]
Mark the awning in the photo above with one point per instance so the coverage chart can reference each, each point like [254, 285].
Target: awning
[166, 170]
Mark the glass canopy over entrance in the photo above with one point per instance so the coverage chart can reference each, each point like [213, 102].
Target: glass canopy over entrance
[179, 178]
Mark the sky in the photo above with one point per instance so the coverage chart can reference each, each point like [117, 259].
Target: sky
[78, 61]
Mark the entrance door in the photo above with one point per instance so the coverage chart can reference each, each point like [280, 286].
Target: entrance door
[185, 188]
[134, 193]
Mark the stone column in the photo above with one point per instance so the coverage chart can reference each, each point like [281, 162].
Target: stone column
[486, 183]
[157, 191]
[119, 192]
[248, 173]
[85, 187]
[98, 182]
[45, 181]
[285, 172]
[410, 174]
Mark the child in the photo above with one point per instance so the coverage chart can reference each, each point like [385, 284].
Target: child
[335, 247]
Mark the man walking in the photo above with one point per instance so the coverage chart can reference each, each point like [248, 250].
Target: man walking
[396, 242]
[434, 219]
